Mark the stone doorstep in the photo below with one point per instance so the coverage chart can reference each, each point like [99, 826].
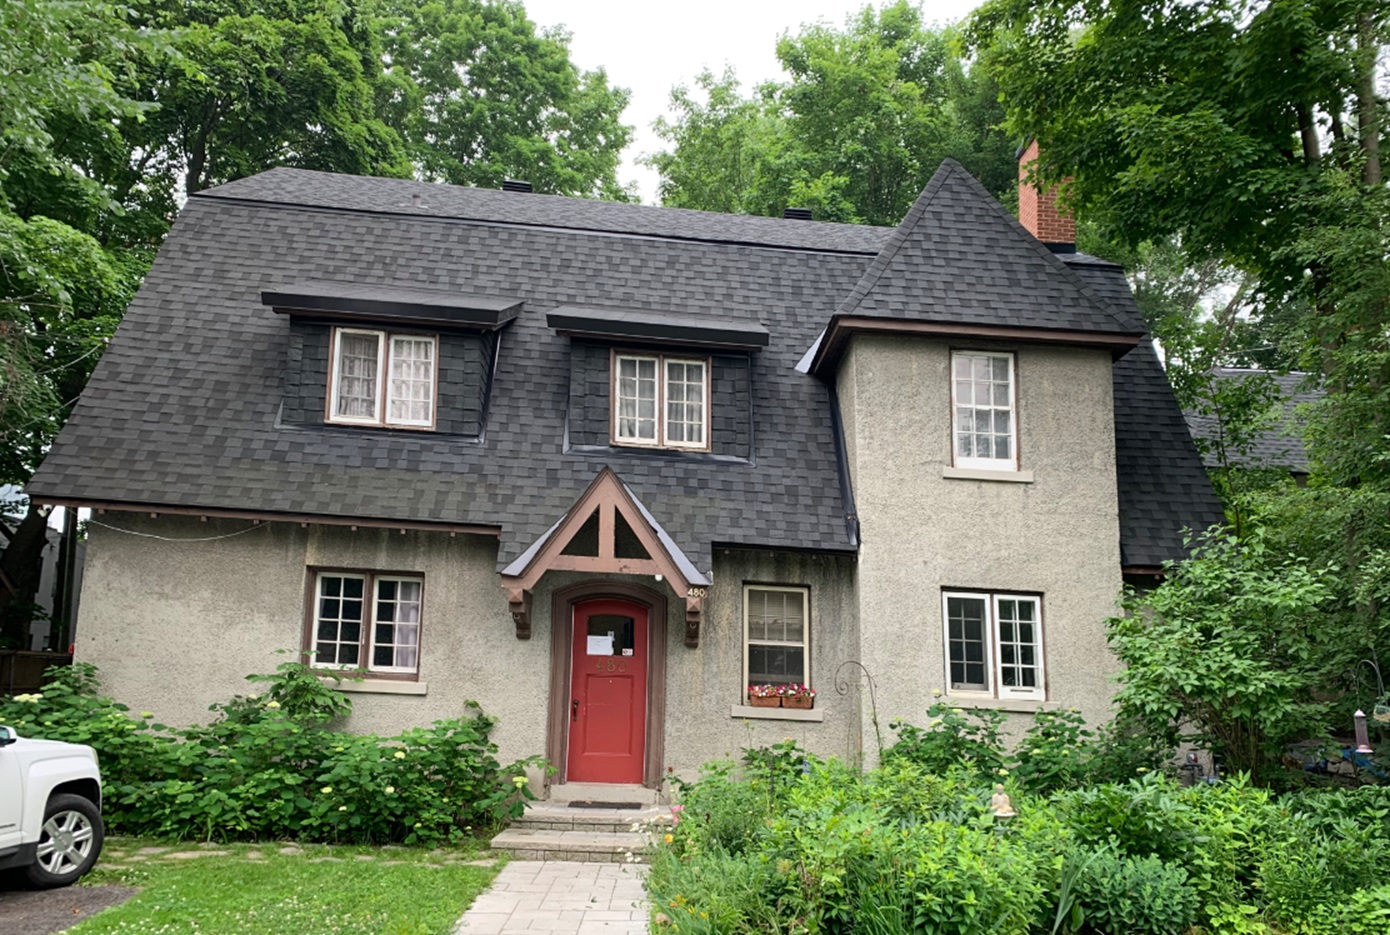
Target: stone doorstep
[601, 792]
[550, 816]
[583, 846]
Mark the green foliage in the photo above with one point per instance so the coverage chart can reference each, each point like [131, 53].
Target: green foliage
[953, 738]
[480, 95]
[899, 849]
[1054, 753]
[1365, 912]
[1138, 895]
[869, 113]
[266, 770]
[1223, 653]
[1309, 870]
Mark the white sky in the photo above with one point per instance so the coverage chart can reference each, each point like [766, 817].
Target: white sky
[649, 46]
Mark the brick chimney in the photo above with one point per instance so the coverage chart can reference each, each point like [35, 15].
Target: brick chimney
[1038, 211]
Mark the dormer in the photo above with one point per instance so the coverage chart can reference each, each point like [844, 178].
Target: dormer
[389, 357]
[650, 382]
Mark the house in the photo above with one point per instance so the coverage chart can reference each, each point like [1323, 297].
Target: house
[601, 466]
[1277, 440]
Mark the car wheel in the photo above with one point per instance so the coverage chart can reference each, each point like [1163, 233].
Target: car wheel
[69, 842]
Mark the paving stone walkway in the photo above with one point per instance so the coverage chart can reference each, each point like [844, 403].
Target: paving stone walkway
[561, 897]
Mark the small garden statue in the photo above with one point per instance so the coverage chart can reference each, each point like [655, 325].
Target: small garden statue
[999, 803]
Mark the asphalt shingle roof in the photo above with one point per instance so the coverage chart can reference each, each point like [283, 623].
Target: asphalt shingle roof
[959, 257]
[183, 409]
[1163, 487]
[1281, 443]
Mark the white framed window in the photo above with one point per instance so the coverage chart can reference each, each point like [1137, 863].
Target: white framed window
[661, 402]
[776, 635]
[984, 424]
[385, 379]
[364, 620]
[994, 644]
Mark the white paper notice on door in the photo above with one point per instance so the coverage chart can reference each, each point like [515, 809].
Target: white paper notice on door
[601, 645]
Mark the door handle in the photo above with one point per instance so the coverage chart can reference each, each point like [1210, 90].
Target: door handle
[574, 710]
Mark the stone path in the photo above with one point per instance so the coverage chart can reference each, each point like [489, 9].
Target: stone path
[560, 897]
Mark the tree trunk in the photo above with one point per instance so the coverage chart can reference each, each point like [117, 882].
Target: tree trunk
[1367, 121]
[21, 565]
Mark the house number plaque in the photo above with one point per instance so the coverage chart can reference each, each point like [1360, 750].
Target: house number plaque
[611, 666]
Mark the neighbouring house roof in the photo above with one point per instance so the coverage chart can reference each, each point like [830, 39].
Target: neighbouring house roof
[1280, 444]
[184, 409]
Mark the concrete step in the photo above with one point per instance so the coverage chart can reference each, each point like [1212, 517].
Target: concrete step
[584, 846]
[562, 816]
[602, 792]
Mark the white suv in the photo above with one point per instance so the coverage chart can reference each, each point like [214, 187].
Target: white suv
[50, 809]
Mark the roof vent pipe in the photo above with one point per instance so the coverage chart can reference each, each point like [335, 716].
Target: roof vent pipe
[516, 185]
[797, 214]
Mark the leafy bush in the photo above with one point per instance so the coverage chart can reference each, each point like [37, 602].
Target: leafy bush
[1055, 752]
[1310, 870]
[1224, 653]
[1365, 912]
[1142, 818]
[954, 738]
[1134, 895]
[265, 769]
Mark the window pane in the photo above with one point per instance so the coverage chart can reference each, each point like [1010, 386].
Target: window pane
[1019, 653]
[984, 409]
[776, 664]
[777, 633]
[338, 622]
[396, 636]
[685, 407]
[357, 375]
[410, 395]
[965, 625]
[636, 402]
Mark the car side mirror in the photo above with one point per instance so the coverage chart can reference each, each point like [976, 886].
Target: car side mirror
[7, 736]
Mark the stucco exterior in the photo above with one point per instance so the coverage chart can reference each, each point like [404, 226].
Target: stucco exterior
[175, 626]
[1055, 535]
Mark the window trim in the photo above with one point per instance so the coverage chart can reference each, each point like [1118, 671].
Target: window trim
[661, 441]
[995, 687]
[366, 645]
[383, 380]
[1011, 463]
[806, 641]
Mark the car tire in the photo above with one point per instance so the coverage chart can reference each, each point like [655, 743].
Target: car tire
[69, 842]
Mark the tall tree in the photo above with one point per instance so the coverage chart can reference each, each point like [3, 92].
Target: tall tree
[1250, 132]
[480, 95]
[868, 115]
[258, 84]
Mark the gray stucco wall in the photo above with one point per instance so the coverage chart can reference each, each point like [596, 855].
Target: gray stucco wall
[176, 626]
[921, 532]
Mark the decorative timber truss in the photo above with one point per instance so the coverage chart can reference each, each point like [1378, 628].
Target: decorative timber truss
[607, 532]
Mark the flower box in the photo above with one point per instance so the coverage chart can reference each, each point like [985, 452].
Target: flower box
[771, 701]
[803, 702]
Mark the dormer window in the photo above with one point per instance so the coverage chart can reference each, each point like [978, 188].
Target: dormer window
[661, 401]
[382, 378]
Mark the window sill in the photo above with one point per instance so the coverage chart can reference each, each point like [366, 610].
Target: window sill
[742, 711]
[1008, 477]
[380, 686]
[1017, 705]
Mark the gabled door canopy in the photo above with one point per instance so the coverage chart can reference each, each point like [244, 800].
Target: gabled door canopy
[609, 502]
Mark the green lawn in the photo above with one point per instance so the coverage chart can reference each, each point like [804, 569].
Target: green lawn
[258, 890]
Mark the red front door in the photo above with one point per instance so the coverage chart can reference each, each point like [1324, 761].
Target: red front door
[608, 692]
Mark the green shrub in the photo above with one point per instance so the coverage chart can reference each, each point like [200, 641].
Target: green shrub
[953, 738]
[1311, 869]
[718, 893]
[1055, 752]
[264, 769]
[1365, 912]
[720, 811]
[1134, 896]
[1145, 817]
